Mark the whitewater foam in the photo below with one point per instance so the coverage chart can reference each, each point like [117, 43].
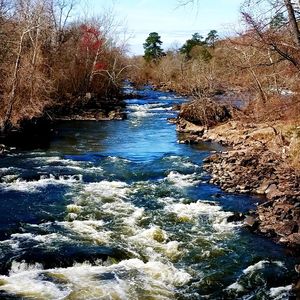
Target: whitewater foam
[257, 266]
[91, 230]
[107, 190]
[129, 279]
[181, 180]
[22, 185]
[280, 293]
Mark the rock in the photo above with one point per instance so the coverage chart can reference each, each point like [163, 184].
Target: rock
[296, 289]
[172, 120]
[266, 204]
[292, 239]
[176, 107]
[3, 149]
[272, 192]
[250, 166]
[211, 158]
[236, 217]
[251, 222]
[187, 141]
[287, 228]
[88, 96]
[117, 115]
[185, 126]
[263, 187]
[205, 112]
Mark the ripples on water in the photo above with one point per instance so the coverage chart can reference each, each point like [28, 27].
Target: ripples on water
[120, 210]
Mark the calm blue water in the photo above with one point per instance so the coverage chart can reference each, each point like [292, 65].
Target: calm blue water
[121, 210]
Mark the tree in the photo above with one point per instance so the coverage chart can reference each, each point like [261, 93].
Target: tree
[39, 46]
[196, 40]
[278, 21]
[293, 21]
[272, 33]
[152, 46]
[211, 38]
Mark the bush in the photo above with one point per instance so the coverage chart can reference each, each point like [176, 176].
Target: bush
[205, 112]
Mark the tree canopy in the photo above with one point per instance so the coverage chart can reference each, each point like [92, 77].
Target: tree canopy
[211, 38]
[152, 46]
[196, 40]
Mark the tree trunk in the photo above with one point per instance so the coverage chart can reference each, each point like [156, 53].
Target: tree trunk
[33, 62]
[293, 22]
[259, 86]
[11, 97]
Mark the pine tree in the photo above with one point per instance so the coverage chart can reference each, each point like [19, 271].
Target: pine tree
[152, 46]
[196, 40]
[211, 38]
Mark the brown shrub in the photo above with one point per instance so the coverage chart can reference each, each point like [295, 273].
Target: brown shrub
[205, 112]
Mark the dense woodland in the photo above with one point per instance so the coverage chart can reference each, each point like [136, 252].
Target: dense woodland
[51, 61]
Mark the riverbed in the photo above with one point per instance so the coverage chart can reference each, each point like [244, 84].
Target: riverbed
[121, 210]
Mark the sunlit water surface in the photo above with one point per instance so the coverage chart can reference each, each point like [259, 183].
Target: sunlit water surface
[120, 210]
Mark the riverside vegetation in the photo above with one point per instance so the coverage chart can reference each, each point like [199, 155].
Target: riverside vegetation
[54, 64]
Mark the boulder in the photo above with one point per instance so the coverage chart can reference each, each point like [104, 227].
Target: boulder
[236, 217]
[293, 239]
[263, 187]
[251, 223]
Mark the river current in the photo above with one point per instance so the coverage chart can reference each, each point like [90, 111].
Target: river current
[121, 210]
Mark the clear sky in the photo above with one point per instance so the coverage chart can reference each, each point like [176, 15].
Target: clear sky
[174, 24]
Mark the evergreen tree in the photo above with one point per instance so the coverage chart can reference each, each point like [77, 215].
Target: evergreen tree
[152, 46]
[196, 40]
[278, 21]
[211, 38]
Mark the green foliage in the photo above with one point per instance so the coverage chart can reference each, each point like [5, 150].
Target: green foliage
[278, 21]
[211, 38]
[201, 52]
[152, 46]
[196, 40]
[196, 47]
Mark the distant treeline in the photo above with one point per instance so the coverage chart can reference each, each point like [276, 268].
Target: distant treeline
[262, 61]
[52, 62]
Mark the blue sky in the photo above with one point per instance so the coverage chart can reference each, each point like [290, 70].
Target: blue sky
[174, 24]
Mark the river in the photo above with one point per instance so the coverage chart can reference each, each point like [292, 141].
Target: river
[121, 210]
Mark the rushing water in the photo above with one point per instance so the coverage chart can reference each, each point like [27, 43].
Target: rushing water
[120, 210]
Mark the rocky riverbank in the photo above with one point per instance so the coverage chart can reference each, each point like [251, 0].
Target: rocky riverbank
[94, 115]
[256, 162]
[93, 109]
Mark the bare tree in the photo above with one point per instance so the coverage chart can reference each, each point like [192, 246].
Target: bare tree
[293, 22]
[275, 39]
[60, 11]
